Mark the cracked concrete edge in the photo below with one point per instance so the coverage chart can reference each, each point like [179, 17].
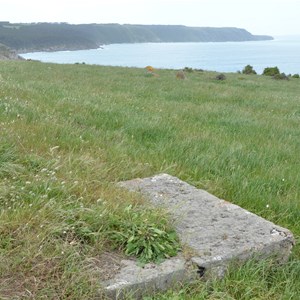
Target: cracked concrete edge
[135, 281]
[218, 266]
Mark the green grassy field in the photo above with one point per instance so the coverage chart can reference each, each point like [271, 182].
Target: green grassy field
[70, 132]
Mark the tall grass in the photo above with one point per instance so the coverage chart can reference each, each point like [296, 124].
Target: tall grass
[70, 132]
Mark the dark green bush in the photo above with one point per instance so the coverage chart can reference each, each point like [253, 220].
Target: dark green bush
[221, 77]
[187, 69]
[296, 76]
[248, 70]
[281, 76]
[271, 71]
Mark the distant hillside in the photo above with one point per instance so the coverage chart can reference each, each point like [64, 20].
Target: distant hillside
[8, 54]
[63, 36]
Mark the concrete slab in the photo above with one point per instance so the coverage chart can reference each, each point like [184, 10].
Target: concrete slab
[135, 281]
[215, 230]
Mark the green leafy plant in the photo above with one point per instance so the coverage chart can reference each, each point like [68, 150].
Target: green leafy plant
[134, 230]
[295, 76]
[138, 234]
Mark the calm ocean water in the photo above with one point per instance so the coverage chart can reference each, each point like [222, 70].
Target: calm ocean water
[283, 52]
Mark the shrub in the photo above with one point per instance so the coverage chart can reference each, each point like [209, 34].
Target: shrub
[296, 76]
[221, 76]
[150, 72]
[180, 75]
[271, 71]
[281, 76]
[187, 69]
[248, 70]
[149, 69]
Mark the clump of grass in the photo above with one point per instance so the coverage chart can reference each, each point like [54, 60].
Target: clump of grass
[140, 235]
[9, 166]
[132, 229]
[252, 280]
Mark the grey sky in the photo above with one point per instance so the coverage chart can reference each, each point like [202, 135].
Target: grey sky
[274, 17]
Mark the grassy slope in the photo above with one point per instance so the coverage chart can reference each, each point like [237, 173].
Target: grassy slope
[68, 132]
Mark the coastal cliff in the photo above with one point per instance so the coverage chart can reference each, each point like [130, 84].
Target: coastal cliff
[63, 36]
[8, 54]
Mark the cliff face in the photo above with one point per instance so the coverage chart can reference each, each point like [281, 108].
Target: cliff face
[8, 54]
[165, 33]
[63, 36]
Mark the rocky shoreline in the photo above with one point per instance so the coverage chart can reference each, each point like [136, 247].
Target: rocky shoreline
[54, 49]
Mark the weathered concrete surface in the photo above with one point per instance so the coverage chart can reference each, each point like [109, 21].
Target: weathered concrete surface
[136, 281]
[216, 231]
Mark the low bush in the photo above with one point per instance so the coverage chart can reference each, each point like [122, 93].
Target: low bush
[271, 71]
[295, 76]
[221, 76]
[249, 70]
[187, 69]
[281, 76]
[149, 69]
[180, 75]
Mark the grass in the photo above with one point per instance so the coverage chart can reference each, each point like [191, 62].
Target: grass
[70, 132]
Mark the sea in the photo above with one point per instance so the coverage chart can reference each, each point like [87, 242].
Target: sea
[283, 52]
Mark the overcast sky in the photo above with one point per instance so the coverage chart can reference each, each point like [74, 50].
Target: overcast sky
[274, 17]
